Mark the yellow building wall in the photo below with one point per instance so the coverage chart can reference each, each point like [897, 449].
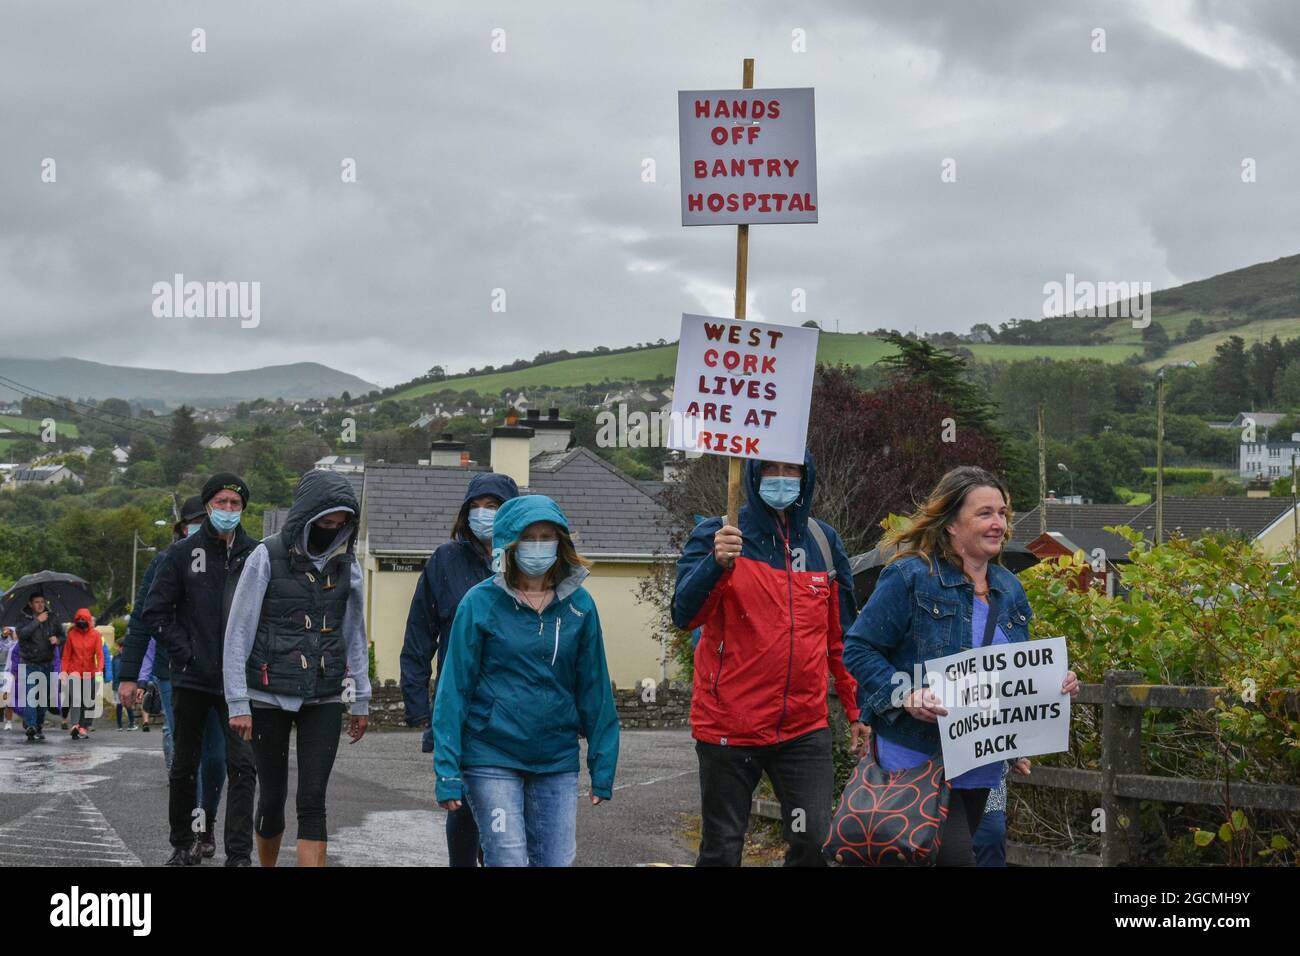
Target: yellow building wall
[632, 653]
[1278, 539]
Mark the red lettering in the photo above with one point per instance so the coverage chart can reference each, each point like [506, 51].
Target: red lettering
[769, 364]
[701, 168]
[790, 165]
[715, 206]
[769, 391]
[751, 364]
[719, 135]
[695, 202]
[773, 108]
[775, 336]
[733, 334]
[773, 167]
[751, 447]
[701, 109]
[713, 331]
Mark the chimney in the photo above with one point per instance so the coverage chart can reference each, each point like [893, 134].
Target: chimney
[511, 451]
[551, 433]
[446, 451]
[674, 467]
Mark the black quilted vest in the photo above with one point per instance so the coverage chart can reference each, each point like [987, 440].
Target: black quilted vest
[299, 648]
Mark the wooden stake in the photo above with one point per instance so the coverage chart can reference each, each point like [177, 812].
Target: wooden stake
[735, 465]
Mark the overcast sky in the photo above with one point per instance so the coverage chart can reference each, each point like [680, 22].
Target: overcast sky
[522, 170]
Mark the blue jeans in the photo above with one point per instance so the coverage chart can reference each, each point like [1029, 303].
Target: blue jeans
[212, 764]
[35, 716]
[169, 741]
[524, 819]
[990, 839]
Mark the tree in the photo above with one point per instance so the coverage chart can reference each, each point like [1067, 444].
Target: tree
[945, 375]
[143, 449]
[182, 449]
[1230, 376]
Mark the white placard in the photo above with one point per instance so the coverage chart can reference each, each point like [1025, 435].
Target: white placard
[747, 156]
[1003, 702]
[743, 388]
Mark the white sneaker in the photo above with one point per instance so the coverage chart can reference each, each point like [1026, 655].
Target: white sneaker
[9, 725]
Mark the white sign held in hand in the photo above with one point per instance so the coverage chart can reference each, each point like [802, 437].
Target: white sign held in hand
[747, 156]
[743, 388]
[1003, 702]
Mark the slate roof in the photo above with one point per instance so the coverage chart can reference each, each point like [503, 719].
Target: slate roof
[1190, 516]
[410, 508]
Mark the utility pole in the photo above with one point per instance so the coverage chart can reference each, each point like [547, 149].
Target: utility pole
[1295, 517]
[136, 547]
[1042, 473]
[1160, 456]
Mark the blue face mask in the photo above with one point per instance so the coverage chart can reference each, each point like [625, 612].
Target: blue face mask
[191, 528]
[535, 558]
[779, 493]
[225, 521]
[481, 521]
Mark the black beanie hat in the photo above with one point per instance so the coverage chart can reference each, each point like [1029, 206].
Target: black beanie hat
[224, 481]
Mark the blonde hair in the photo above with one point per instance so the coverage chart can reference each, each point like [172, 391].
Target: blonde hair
[926, 534]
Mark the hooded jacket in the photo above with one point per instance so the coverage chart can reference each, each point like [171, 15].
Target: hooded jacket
[189, 601]
[135, 644]
[296, 628]
[773, 623]
[34, 647]
[450, 572]
[519, 687]
[83, 652]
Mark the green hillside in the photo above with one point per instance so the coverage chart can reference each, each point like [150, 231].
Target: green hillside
[646, 364]
[1263, 299]
[31, 426]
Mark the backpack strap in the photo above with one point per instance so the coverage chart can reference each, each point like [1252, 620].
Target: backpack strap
[823, 545]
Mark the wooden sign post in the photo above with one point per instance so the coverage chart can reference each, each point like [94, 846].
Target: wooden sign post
[746, 158]
[735, 465]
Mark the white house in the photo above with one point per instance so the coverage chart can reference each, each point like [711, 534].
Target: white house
[216, 442]
[1268, 459]
[42, 475]
[344, 464]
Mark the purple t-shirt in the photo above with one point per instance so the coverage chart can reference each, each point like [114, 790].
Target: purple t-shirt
[894, 757]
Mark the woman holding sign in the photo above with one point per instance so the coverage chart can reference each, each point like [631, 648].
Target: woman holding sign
[944, 591]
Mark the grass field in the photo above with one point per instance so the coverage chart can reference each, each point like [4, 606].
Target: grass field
[32, 426]
[1202, 350]
[647, 364]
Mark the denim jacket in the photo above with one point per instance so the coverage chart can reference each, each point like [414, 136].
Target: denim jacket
[915, 615]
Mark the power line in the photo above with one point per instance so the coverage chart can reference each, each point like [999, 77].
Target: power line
[90, 411]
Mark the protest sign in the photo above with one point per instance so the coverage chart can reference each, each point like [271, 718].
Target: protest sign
[743, 388]
[1003, 702]
[747, 156]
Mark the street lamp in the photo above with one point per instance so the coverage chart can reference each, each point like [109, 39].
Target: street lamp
[136, 547]
[1062, 467]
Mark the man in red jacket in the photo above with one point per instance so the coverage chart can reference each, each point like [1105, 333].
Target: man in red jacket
[774, 598]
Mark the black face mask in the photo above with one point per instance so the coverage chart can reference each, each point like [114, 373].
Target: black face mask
[318, 538]
[81, 624]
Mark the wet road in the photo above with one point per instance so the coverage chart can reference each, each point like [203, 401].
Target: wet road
[103, 802]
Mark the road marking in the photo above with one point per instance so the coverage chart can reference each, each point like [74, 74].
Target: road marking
[38, 837]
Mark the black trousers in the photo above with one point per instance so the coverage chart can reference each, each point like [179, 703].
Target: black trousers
[965, 809]
[802, 776]
[318, 726]
[189, 717]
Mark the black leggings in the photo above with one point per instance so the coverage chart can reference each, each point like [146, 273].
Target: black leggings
[964, 812]
[318, 743]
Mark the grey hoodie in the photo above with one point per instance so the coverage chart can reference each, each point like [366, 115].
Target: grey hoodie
[246, 609]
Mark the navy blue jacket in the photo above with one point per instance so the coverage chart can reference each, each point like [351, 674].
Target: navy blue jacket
[450, 572]
[136, 642]
[915, 615]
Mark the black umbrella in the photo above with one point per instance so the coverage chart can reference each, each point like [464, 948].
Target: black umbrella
[64, 595]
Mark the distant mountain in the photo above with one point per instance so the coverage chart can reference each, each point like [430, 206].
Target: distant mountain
[77, 378]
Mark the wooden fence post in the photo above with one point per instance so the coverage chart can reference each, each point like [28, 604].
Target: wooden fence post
[1121, 753]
